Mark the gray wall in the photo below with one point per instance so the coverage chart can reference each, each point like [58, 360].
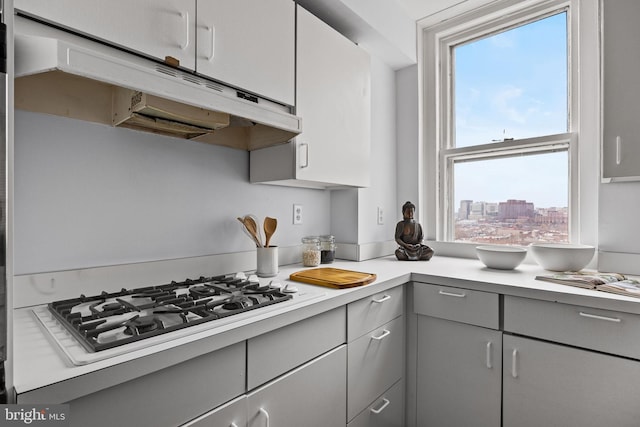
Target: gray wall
[90, 195]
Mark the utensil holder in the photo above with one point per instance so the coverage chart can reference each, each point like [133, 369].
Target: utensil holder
[267, 261]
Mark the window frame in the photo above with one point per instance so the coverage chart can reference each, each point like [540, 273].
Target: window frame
[436, 34]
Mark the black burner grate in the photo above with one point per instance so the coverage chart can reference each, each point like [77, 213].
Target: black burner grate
[113, 319]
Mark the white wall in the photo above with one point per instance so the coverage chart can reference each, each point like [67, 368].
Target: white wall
[92, 195]
[354, 216]
[382, 192]
[618, 226]
[408, 152]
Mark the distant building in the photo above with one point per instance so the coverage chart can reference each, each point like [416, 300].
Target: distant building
[552, 216]
[465, 209]
[515, 209]
[477, 210]
[491, 209]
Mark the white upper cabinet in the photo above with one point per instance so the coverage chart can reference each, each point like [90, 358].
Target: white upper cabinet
[157, 28]
[249, 44]
[621, 90]
[245, 44]
[333, 83]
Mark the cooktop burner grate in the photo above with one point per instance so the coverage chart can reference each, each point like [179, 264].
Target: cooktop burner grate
[113, 319]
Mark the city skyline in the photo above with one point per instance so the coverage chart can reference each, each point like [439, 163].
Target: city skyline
[510, 222]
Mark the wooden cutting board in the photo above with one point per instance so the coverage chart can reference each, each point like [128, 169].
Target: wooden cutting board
[333, 277]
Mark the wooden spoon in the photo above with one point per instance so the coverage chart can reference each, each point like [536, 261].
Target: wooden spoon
[270, 225]
[252, 227]
[245, 228]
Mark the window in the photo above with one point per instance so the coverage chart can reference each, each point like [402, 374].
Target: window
[501, 121]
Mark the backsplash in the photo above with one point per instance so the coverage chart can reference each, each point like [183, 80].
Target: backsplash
[89, 195]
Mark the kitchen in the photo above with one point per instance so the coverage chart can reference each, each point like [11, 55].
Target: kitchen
[107, 203]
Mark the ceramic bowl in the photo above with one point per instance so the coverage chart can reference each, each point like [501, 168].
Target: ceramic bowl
[562, 256]
[501, 257]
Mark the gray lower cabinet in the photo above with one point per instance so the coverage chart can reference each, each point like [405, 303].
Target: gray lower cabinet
[313, 395]
[459, 357]
[551, 385]
[458, 374]
[375, 362]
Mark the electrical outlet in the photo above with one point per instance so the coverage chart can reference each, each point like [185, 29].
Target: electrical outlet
[297, 214]
[380, 216]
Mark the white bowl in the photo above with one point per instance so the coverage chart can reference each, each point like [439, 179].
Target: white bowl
[501, 257]
[562, 256]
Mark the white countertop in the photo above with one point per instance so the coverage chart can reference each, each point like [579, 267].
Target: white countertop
[39, 363]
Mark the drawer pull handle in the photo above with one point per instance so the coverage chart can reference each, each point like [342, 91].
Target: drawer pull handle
[381, 300]
[266, 416]
[452, 294]
[384, 334]
[489, 364]
[514, 363]
[618, 150]
[385, 403]
[595, 316]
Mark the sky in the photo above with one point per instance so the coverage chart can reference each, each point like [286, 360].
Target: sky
[513, 85]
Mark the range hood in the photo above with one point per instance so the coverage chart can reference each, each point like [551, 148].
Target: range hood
[67, 75]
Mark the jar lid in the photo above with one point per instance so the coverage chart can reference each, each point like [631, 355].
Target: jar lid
[327, 238]
[311, 239]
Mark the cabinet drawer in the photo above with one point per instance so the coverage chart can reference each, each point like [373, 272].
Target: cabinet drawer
[604, 330]
[173, 395]
[386, 411]
[372, 312]
[375, 363]
[234, 412]
[457, 304]
[277, 352]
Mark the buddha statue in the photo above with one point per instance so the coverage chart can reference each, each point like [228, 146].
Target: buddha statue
[409, 237]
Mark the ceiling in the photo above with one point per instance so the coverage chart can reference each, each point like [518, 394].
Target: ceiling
[386, 28]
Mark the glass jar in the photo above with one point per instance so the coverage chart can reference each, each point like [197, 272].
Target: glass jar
[310, 251]
[327, 249]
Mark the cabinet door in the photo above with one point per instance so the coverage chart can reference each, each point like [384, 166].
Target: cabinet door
[156, 28]
[621, 90]
[553, 385]
[459, 374]
[313, 395]
[249, 44]
[333, 99]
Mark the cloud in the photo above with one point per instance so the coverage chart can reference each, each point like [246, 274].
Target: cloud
[504, 100]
